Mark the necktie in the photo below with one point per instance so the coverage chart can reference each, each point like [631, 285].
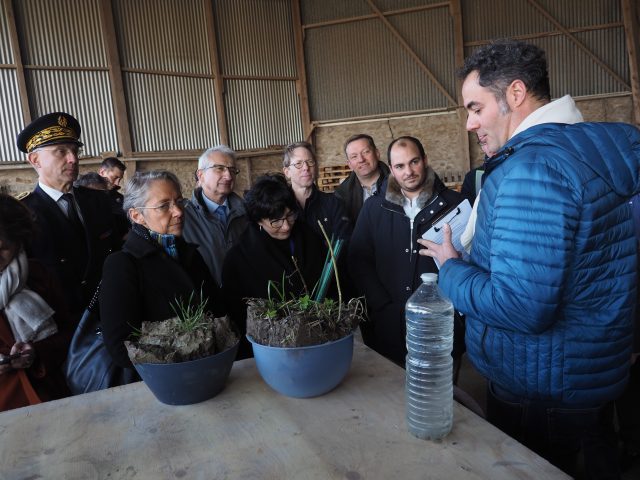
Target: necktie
[72, 213]
[221, 211]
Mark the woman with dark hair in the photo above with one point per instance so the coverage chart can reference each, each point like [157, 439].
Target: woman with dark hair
[156, 268]
[34, 328]
[273, 247]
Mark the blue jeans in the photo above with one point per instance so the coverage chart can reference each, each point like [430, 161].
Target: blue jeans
[559, 433]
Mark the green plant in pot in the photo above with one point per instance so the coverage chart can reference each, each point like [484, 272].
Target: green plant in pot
[185, 359]
[303, 345]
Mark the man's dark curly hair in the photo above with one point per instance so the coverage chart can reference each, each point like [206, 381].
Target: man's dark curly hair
[503, 61]
[16, 222]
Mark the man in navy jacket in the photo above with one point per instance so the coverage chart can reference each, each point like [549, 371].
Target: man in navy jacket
[75, 225]
[383, 254]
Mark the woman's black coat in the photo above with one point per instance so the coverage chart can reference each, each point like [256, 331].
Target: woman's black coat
[257, 258]
[141, 283]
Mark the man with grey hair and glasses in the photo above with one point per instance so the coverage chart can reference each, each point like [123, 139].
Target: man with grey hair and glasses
[215, 217]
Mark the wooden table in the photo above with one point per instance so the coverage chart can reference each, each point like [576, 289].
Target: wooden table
[358, 431]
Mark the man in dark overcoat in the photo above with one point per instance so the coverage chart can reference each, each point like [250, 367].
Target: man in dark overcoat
[74, 224]
[383, 254]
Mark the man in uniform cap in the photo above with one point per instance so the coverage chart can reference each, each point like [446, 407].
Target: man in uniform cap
[75, 226]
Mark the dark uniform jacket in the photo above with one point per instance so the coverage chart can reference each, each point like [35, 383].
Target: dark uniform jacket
[141, 283]
[258, 258]
[384, 261]
[350, 191]
[74, 255]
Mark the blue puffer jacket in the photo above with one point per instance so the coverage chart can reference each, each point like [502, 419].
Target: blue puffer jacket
[550, 290]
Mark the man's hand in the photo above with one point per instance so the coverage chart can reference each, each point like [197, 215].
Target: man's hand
[440, 252]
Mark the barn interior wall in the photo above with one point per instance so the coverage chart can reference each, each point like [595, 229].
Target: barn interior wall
[440, 133]
[259, 89]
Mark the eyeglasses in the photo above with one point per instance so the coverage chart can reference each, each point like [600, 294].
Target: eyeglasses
[180, 203]
[298, 165]
[60, 151]
[221, 169]
[290, 218]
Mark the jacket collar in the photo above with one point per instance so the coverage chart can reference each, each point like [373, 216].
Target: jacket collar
[395, 196]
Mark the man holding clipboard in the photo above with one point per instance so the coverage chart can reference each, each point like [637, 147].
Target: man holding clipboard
[383, 254]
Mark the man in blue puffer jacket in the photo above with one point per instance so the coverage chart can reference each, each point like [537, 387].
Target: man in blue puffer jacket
[550, 290]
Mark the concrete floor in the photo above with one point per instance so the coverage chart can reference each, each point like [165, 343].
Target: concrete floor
[475, 385]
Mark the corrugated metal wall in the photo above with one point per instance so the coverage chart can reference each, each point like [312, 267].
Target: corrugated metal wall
[10, 114]
[262, 113]
[171, 94]
[360, 69]
[171, 113]
[256, 40]
[256, 37]
[85, 95]
[6, 55]
[67, 34]
[163, 35]
[571, 70]
[354, 69]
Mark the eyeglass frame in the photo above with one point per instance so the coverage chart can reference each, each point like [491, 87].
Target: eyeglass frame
[77, 152]
[290, 217]
[166, 206]
[308, 163]
[232, 170]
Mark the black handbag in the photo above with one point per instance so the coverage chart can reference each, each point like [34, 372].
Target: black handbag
[89, 366]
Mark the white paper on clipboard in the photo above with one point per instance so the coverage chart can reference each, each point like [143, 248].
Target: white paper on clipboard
[457, 219]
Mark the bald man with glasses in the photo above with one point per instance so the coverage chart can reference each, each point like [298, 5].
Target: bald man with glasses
[215, 216]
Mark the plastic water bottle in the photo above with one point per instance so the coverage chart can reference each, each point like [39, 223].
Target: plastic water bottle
[429, 365]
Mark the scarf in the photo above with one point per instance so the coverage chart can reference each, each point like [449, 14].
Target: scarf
[165, 241]
[29, 316]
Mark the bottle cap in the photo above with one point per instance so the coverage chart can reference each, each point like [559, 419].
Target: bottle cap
[429, 277]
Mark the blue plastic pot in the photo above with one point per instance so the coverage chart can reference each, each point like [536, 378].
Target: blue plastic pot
[304, 372]
[190, 382]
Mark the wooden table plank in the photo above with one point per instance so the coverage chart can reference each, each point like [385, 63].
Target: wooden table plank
[357, 431]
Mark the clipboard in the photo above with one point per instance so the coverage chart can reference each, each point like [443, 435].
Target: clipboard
[457, 218]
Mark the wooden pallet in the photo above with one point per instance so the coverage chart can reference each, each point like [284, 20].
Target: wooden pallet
[332, 176]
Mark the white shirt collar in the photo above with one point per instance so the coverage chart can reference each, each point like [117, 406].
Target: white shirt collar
[52, 192]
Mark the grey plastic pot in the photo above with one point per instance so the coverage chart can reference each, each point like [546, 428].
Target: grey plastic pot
[190, 382]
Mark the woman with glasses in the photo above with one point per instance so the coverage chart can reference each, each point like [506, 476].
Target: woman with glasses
[273, 247]
[155, 267]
